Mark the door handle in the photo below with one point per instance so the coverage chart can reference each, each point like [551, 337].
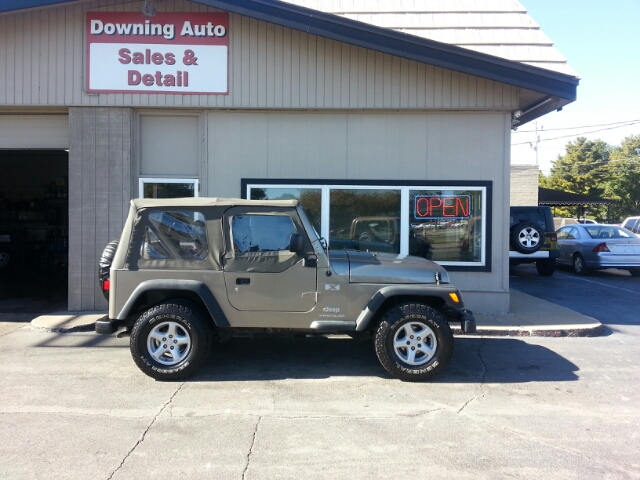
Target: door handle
[243, 281]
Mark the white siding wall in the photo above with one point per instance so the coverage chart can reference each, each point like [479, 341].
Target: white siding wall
[524, 184]
[42, 59]
[372, 146]
[34, 131]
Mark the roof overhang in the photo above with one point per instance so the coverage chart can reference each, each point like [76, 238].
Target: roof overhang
[559, 88]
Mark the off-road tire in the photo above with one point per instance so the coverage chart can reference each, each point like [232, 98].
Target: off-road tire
[546, 267]
[105, 264]
[395, 326]
[526, 237]
[189, 325]
[579, 265]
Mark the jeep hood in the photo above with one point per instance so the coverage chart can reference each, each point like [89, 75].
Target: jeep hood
[386, 268]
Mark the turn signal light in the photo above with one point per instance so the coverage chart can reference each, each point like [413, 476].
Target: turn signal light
[601, 247]
[454, 297]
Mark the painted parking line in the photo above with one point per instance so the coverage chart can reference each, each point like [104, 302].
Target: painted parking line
[596, 283]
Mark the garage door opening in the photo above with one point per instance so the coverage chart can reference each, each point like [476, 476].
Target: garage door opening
[34, 230]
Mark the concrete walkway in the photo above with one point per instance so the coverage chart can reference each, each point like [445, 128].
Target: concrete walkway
[529, 316]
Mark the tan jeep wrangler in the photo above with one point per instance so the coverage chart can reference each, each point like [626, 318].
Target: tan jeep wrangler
[188, 271]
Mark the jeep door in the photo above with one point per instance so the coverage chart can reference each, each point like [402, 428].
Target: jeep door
[260, 271]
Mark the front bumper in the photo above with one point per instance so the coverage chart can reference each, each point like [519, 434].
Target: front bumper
[467, 321]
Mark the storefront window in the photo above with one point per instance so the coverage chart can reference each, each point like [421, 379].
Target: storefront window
[365, 219]
[444, 224]
[310, 199]
[168, 187]
[449, 221]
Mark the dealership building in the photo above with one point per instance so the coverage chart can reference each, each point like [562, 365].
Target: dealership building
[393, 118]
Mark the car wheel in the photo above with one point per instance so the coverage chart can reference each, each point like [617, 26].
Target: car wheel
[526, 237]
[413, 342]
[171, 341]
[546, 267]
[635, 272]
[105, 265]
[579, 265]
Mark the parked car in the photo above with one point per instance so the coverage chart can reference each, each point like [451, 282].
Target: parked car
[591, 247]
[632, 224]
[561, 221]
[532, 238]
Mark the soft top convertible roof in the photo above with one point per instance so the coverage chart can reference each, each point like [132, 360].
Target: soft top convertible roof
[139, 203]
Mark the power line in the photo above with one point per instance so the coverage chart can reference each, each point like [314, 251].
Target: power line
[583, 126]
[576, 134]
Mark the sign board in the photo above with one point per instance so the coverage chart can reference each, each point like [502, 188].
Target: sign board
[432, 207]
[171, 53]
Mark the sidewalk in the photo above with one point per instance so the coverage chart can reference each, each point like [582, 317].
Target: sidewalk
[529, 316]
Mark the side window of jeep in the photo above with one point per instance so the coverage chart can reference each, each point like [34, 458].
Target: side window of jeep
[175, 234]
[261, 233]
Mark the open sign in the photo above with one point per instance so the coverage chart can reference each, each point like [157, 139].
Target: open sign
[433, 207]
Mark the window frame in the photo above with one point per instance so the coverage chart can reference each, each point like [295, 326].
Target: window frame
[143, 180]
[486, 187]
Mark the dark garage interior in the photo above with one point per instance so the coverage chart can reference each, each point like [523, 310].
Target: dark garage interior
[34, 230]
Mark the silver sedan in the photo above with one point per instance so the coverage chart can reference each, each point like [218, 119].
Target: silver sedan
[589, 246]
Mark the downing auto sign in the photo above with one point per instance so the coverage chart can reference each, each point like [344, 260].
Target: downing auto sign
[174, 53]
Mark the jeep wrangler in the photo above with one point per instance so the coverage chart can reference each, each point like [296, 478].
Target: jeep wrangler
[189, 271]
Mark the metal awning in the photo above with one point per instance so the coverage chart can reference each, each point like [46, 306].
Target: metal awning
[557, 198]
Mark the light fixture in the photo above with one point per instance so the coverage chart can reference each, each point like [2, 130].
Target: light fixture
[148, 10]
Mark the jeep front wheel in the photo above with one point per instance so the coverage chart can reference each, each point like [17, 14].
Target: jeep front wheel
[170, 341]
[414, 342]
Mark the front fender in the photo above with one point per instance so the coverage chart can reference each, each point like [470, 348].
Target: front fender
[199, 288]
[441, 291]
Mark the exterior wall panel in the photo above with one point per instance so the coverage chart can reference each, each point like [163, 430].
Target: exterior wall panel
[270, 67]
[99, 195]
[373, 146]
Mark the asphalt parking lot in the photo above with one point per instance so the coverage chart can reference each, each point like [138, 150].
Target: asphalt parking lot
[75, 406]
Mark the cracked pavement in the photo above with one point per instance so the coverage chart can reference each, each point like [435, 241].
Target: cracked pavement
[75, 406]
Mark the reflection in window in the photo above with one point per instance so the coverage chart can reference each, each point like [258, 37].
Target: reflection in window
[309, 198]
[152, 248]
[365, 219]
[450, 221]
[261, 233]
[168, 188]
[183, 232]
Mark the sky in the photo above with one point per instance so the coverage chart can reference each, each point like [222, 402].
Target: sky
[601, 41]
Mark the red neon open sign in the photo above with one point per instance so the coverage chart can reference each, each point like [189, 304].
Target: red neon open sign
[443, 206]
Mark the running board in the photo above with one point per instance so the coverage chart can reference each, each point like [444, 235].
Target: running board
[334, 326]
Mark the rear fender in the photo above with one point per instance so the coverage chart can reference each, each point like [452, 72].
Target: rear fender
[176, 286]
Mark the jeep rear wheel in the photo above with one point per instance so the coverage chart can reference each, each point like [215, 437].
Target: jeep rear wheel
[170, 341]
[414, 342]
[526, 237]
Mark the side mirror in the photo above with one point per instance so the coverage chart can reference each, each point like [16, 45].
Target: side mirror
[296, 243]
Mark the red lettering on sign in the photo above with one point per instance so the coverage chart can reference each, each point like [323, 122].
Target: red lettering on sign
[443, 206]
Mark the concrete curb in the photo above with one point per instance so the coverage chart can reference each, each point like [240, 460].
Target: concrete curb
[67, 322]
[588, 330]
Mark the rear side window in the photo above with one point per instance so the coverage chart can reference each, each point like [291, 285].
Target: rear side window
[175, 234]
[536, 216]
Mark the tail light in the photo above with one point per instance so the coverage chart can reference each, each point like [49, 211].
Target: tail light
[601, 247]
[553, 237]
[106, 285]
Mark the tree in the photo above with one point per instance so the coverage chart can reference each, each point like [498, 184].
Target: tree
[623, 179]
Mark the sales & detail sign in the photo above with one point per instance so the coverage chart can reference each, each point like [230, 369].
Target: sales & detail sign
[173, 53]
